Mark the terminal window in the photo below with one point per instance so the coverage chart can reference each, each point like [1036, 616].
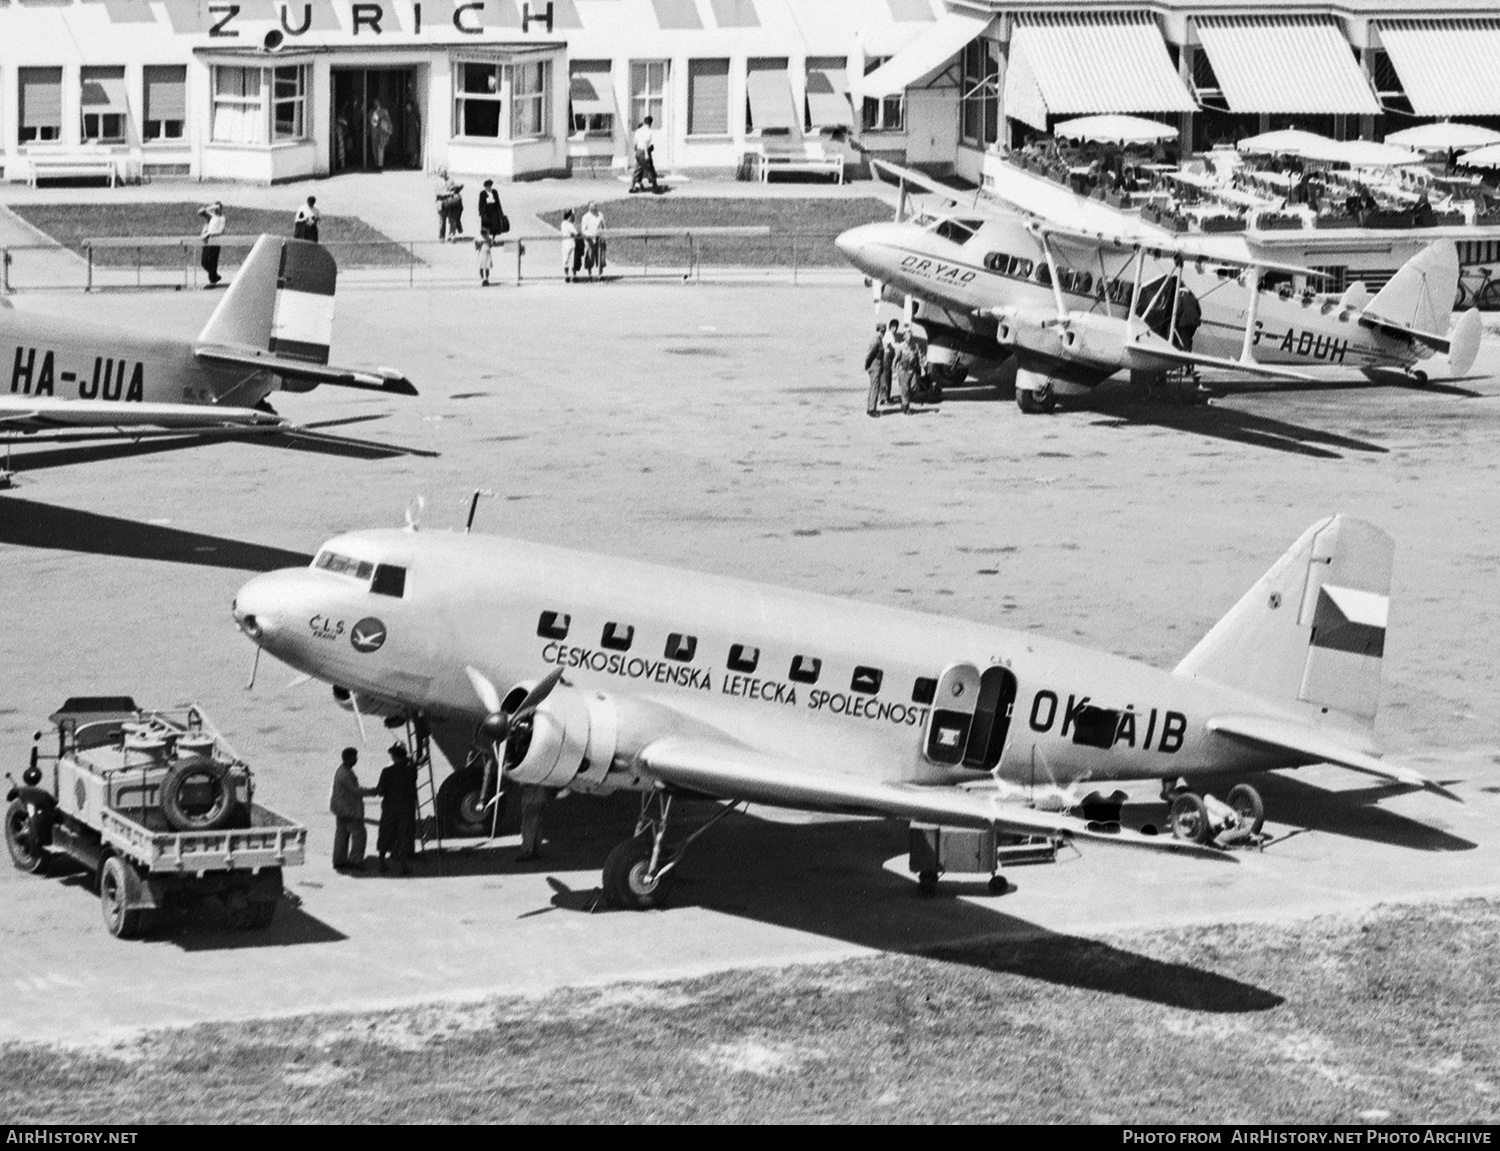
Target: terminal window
[591, 91]
[708, 97]
[884, 113]
[289, 102]
[165, 101]
[529, 87]
[101, 100]
[41, 104]
[242, 114]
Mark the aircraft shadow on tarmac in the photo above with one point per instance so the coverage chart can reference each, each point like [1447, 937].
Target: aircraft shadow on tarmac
[829, 879]
[1354, 814]
[36, 525]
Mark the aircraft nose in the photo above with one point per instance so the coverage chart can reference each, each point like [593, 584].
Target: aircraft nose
[852, 242]
[258, 609]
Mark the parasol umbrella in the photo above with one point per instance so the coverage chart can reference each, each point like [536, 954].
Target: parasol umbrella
[1115, 130]
[1442, 137]
[1285, 142]
[1367, 154]
[1482, 157]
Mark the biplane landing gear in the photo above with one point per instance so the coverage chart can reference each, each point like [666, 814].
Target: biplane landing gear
[1036, 401]
[638, 873]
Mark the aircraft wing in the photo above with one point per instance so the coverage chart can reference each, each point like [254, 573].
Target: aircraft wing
[303, 370]
[31, 413]
[1159, 354]
[729, 771]
[1312, 745]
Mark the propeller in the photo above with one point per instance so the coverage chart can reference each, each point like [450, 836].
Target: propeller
[498, 725]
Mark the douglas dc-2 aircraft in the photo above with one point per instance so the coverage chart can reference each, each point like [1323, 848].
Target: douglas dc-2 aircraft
[1075, 306]
[272, 330]
[622, 675]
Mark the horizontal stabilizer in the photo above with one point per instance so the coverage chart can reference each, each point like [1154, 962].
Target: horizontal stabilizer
[304, 370]
[732, 772]
[1308, 744]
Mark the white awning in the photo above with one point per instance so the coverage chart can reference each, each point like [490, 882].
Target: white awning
[592, 93]
[1066, 64]
[1301, 65]
[828, 98]
[1448, 67]
[770, 92]
[931, 50]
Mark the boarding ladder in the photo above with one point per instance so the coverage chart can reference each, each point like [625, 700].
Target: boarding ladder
[429, 827]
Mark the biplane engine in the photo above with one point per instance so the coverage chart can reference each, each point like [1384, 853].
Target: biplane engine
[1091, 338]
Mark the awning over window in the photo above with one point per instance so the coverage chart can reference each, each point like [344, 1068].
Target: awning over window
[592, 93]
[1448, 67]
[770, 92]
[828, 97]
[102, 89]
[1288, 64]
[1064, 64]
[931, 50]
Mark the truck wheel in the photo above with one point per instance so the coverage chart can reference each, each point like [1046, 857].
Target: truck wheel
[1189, 818]
[460, 805]
[626, 885]
[1248, 806]
[25, 836]
[118, 885]
[198, 796]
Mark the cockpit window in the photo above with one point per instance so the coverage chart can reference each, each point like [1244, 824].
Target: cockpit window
[343, 565]
[959, 231]
[389, 580]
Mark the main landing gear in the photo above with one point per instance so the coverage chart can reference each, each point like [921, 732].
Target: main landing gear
[1203, 818]
[638, 873]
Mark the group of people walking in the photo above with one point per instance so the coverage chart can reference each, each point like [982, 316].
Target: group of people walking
[897, 356]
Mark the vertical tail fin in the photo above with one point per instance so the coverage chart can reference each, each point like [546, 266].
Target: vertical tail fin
[1312, 630]
[1419, 297]
[281, 301]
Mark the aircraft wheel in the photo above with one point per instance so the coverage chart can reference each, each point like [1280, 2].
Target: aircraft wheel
[1248, 806]
[1189, 818]
[460, 805]
[118, 883]
[626, 883]
[997, 885]
[1418, 375]
[1036, 401]
[927, 884]
[953, 375]
[25, 837]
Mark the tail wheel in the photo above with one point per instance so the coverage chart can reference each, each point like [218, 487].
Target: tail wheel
[1036, 401]
[118, 885]
[1189, 819]
[1247, 805]
[627, 882]
[25, 837]
[198, 795]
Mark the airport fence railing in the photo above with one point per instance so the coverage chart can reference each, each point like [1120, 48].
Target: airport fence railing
[680, 254]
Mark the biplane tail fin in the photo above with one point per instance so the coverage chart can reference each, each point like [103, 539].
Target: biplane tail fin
[1311, 632]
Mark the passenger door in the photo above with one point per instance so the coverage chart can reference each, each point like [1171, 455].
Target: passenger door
[970, 717]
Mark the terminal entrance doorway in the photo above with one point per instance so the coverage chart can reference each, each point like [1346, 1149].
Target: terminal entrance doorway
[377, 123]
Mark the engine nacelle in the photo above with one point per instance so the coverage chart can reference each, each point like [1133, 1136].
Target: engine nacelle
[572, 742]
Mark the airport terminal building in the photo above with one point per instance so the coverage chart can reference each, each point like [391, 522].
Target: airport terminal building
[273, 90]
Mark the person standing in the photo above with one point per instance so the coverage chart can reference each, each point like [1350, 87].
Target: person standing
[381, 130]
[305, 227]
[888, 367]
[213, 228]
[907, 368]
[347, 803]
[572, 246]
[491, 217]
[397, 834]
[449, 194]
[875, 365]
[412, 132]
[592, 229]
[485, 246]
[534, 800]
[644, 143]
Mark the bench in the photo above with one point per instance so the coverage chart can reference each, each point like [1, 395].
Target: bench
[801, 162]
[57, 167]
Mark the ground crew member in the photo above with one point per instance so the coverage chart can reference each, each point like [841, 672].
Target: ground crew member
[348, 806]
[397, 835]
[907, 369]
[533, 800]
[890, 360]
[875, 365]
[213, 228]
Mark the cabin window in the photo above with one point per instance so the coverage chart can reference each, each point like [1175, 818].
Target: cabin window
[681, 647]
[1004, 265]
[389, 580]
[805, 669]
[1043, 274]
[344, 565]
[553, 625]
[1079, 283]
[923, 690]
[617, 636]
[742, 658]
[866, 680]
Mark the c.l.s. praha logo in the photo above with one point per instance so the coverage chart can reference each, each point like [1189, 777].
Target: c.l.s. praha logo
[368, 634]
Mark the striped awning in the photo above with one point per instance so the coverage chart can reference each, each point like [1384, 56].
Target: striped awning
[1301, 65]
[591, 91]
[1068, 63]
[828, 97]
[1447, 67]
[934, 48]
[770, 94]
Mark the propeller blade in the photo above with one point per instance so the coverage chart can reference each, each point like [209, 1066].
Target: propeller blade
[537, 694]
[297, 681]
[254, 668]
[358, 718]
[485, 690]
